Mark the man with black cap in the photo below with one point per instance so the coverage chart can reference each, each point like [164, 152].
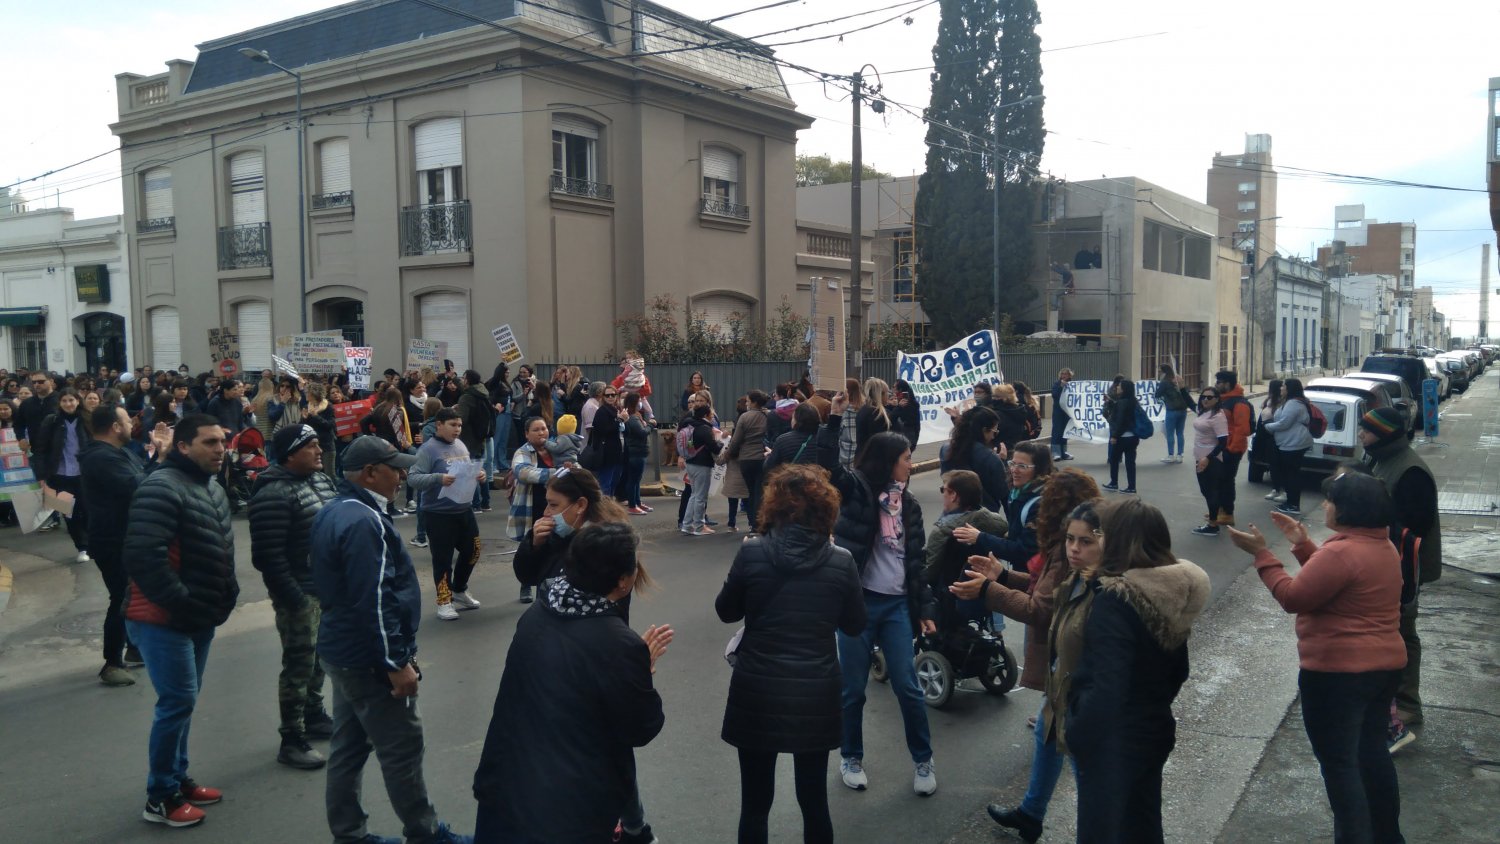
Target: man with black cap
[286, 499]
[367, 642]
[1413, 490]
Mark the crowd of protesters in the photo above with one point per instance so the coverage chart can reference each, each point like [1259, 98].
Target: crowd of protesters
[838, 561]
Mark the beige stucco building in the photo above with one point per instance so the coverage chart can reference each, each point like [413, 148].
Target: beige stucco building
[555, 169]
[1164, 290]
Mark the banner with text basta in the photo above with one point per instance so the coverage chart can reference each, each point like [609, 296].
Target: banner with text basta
[946, 378]
[1083, 401]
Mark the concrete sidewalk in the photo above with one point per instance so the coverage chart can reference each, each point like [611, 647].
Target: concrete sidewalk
[1243, 770]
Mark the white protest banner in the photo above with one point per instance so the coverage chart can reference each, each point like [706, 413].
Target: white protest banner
[357, 359]
[946, 378]
[1083, 401]
[283, 345]
[505, 340]
[826, 334]
[318, 353]
[420, 353]
[282, 366]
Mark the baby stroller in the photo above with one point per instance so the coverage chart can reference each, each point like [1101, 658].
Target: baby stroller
[961, 649]
[244, 462]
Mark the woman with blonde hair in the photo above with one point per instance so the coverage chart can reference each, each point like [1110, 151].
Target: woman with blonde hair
[1007, 406]
[872, 419]
[849, 432]
[265, 395]
[577, 392]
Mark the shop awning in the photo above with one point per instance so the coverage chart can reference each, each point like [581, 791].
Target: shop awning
[23, 316]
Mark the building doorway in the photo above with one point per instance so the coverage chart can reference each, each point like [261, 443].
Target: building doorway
[103, 342]
[347, 315]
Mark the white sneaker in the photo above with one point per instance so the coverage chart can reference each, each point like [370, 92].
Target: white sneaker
[465, 601]
[446, 612]
[1275, 495]
[854, 773]
[925, 782]
[1169, 459]
[83, 557]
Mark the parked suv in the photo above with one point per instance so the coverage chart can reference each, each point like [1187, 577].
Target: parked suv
[1409, 367]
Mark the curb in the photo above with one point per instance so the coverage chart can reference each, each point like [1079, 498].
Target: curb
[6, 580]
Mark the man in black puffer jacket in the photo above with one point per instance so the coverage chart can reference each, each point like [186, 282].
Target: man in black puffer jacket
[110, 475]
[179, 552]
[287, 497]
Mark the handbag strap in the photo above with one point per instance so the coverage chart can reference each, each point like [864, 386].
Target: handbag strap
[803, 448]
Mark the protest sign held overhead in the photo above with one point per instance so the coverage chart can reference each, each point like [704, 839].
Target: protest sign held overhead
[946, 378]
[346, 416]
[322, 353]
[357, 359]
[505, 340]
[826, 334]
[420, 353]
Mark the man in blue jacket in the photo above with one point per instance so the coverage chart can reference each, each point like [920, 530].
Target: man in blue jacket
[367, 642]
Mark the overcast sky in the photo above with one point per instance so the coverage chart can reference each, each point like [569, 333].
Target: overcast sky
[1373, 88]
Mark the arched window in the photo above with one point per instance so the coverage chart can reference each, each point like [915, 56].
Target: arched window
[253, 325]
[445, 317]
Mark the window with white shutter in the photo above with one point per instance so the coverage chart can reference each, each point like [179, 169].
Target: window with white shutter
[439, 160]
[721, 174]
[445, 317]
[247, 188]
[157, 185]
[166, 339]
[574, 148]
[718, 309]
[253, 325]
[333, 166]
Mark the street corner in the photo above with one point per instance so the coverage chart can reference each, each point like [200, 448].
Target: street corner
[1473, 551]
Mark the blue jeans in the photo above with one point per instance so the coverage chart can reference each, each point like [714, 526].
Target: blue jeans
[482, 490]
[500, 443]
[1059, 433]
[1046, 767]
[609, 477]
[889, 626]
[175, 662]
[1176, 419]
[630, 480]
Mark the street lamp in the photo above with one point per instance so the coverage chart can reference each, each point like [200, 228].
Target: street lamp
[995, 235]
[263, 57]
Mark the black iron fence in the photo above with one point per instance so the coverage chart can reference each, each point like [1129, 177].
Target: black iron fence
[429, 229]
[339, 199]
[582, 187]
[729, 381]
[721, 207]
[242, 247]
[156, 224]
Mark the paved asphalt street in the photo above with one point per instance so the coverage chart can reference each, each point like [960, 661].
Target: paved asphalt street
[73, 751]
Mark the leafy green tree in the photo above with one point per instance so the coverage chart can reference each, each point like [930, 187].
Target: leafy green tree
[823, 170]
[987, 57]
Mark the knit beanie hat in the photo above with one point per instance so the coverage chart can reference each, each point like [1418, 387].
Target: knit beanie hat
[291, 438]
[567, 424]
[1383, 422]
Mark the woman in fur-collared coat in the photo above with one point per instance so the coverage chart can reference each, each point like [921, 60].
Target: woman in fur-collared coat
[1119, 725]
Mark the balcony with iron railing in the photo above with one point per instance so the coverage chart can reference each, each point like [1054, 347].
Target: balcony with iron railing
[436, 229]
[245, 247]
[569, 186]
[719, 206]
[157, 225]
[327, 201]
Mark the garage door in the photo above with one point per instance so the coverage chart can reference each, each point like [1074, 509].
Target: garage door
[166, 339]
[253, 322]
[445, 317]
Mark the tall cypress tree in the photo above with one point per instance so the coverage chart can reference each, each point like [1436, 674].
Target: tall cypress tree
[987, 55]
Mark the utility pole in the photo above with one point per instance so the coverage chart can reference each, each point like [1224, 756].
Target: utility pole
[995, 223]
[856, 225]
[1484, 295]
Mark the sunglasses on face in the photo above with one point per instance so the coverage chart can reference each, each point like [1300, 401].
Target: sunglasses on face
[1208, 398]
[1023, 466]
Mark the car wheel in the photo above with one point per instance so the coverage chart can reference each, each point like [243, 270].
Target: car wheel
[935, 678]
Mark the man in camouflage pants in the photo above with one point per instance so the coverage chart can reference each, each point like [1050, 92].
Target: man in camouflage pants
[287, 497]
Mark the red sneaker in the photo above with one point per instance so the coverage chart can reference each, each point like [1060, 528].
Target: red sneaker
[199, 795]
[172, 811]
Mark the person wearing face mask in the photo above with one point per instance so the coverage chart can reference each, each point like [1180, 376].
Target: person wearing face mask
[451, 526]
[55, 449]
[880, 524]
[574, 499]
